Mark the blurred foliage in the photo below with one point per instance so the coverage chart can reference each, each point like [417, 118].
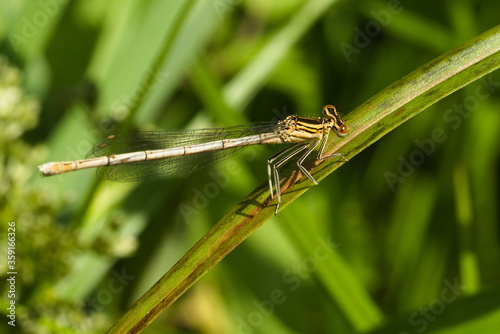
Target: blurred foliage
[425, 244]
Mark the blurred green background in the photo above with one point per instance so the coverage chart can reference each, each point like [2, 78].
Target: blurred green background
[412, 220]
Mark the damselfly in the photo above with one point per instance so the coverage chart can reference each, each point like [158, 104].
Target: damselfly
[153, 155]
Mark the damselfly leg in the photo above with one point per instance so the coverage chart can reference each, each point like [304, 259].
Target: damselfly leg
[275, 162]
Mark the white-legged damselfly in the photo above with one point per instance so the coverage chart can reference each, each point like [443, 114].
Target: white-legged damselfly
[153, 155]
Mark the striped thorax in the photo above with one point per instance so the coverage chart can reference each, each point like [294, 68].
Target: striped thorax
[297, 129]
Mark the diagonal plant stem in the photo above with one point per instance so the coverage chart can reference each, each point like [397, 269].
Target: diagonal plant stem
[417, 91]
[369, 122]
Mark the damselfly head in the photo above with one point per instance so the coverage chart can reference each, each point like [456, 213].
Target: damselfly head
[339, 126]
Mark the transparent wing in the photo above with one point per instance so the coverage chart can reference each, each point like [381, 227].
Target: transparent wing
[169, 167]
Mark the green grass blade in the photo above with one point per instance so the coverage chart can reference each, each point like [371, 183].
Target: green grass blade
[468, 314]
[245, 85]
[369, 122]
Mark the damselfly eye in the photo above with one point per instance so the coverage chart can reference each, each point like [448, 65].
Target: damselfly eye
[342, 130]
